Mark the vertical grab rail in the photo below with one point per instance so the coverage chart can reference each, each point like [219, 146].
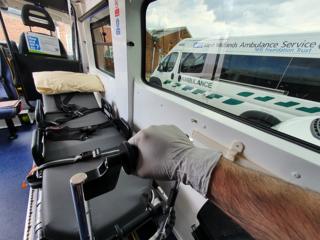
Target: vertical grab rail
[81, 206]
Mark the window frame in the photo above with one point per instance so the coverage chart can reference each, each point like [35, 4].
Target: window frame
[93, 26]
[273, 132]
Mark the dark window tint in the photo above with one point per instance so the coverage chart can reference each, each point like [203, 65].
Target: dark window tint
[192, 62]
[168, 63]
[255, 70]
[302, 79]
[102, 44]
[298, 77]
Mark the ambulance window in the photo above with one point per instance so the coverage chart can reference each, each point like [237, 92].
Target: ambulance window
[172, 61]
[102, 45]
[302, 79]
[192, 62]
[254, 70]
[168, 63]
[255, 61]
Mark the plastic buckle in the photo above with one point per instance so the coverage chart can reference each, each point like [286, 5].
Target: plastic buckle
[78, 113]
[96, 153]
[91, 154]
[53, 123]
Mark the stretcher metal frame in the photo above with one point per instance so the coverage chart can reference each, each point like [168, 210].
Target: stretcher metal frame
[82, 183]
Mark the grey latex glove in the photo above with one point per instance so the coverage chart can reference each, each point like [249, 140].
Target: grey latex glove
[166, 153]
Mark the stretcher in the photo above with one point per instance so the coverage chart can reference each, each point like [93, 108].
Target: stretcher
[119, 203]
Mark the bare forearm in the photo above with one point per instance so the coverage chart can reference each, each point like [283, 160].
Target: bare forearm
[266, 207]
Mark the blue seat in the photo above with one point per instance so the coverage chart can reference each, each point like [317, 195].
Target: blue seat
[8, 93]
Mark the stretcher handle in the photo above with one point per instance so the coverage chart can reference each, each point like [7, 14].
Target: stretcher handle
[130, 157]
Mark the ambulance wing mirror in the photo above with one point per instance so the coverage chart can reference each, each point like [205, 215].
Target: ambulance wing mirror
[4, 5]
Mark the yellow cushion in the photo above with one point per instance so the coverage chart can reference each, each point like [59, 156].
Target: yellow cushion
[55, 82]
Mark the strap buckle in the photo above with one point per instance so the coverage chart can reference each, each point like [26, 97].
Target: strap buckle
[78, 113]
[96, 153]
[53, 123]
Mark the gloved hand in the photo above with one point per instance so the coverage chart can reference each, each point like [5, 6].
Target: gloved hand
[166, 153]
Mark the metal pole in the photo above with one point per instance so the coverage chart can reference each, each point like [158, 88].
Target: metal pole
[81, 206]
[4, 29]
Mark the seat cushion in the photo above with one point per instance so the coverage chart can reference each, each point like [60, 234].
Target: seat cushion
[116, 207]
[87, 100]
[8, 112]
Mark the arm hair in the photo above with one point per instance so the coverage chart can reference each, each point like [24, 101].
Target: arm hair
[266, 207]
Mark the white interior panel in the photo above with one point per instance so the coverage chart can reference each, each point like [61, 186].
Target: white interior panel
[147, 106]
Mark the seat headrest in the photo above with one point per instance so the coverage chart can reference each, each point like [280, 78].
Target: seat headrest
[36, 16]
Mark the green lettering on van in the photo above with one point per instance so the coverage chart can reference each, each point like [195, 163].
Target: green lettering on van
[309, 110]
[232, 101]
[166, 82]
[264, 99]
[197, 91]
[186, 88]
[245, 94]
[287, 104]
[213, 95]
[176, 85]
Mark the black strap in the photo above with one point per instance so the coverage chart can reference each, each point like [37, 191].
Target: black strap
[72, 111]
[64, 106]
[76, 114]
[80, 133]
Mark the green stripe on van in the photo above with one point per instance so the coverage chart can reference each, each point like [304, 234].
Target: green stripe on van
[309, 110]
[176, 85]
[245, 94]
[287, 104]
[213, 95]
[264, 99]
[197, 91]
[232, 101]
[186, 88]
[167, 82]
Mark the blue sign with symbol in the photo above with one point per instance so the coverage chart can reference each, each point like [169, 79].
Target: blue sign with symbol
[34, 43]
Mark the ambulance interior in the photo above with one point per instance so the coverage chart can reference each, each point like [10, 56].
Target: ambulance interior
[227, 73]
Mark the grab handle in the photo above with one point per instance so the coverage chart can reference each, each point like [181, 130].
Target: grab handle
[130, 158]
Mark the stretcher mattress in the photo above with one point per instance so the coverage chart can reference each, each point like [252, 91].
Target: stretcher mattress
[119, 206]
[54, 150]
[87, 100]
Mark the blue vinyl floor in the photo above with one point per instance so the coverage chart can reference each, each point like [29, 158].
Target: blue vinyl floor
[15, 163]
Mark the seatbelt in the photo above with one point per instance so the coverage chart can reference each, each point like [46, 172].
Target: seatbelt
[72, 111]
[67, 133]
[34, 177]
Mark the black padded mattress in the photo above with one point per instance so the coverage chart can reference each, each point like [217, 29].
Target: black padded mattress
[54, 150]
[116, 207]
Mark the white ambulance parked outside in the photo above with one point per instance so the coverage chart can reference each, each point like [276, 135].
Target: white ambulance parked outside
[270, 80]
